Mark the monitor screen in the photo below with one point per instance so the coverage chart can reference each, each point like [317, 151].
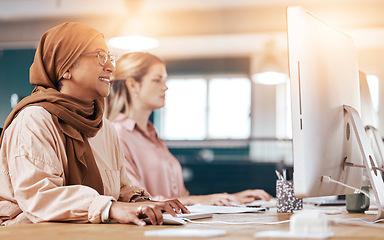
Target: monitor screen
[368, 113]
[324, 77]
[370, 120]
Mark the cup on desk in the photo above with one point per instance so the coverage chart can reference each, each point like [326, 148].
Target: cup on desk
[358, 202]
[286, 200]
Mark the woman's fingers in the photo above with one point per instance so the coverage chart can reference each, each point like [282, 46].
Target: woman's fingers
[138, 222]
[126, 213]
[169, 209]
[253, 194]
[177, 206]
[158, 214]
[154, 215]
[132, 212]
[225, 202]
[261, 194]
[174, 206]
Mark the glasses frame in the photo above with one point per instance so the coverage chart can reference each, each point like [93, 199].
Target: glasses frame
[112, 58]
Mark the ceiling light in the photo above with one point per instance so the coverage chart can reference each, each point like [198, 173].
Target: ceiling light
[269, 78]
[133, 43]
[268, 70]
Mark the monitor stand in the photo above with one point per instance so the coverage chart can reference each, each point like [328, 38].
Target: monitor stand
[369, 160]
[376, 143]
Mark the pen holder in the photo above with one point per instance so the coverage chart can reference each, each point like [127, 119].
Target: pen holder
[286, 200]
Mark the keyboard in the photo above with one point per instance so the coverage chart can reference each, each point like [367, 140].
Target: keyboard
[181, 218]
[193, 216]
[325, 201]
[198, 208]
[262, 203]
[199, 211]
[337, 202]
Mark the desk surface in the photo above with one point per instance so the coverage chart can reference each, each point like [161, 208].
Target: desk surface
[59, 231]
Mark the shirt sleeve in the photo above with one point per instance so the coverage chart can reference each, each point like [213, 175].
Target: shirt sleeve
[35, 155]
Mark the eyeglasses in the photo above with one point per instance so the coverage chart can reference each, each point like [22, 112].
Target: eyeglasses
[103, 57]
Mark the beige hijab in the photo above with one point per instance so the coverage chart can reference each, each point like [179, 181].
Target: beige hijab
[77, 119]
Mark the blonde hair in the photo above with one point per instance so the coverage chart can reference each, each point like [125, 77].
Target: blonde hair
[130, 65]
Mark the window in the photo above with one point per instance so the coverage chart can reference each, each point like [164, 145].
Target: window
[229, 108]
[184, 114]
[373, 84]
[283, 110]
[206, 108]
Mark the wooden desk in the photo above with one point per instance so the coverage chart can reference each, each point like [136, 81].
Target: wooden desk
[59, 231]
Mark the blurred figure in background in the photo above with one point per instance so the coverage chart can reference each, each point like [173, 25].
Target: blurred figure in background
[137, 89]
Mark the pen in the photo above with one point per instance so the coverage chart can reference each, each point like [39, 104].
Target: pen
[278, 175]
[285, 174]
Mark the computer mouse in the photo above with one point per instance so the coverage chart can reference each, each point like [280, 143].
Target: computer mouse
[167, 220]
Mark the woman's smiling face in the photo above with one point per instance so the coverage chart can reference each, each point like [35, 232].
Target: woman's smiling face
[89, 79]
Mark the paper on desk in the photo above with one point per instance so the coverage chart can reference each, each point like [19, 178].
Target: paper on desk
[287, 234]
[185, 232]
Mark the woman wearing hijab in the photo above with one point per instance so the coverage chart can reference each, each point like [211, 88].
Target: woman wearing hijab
[60, 159]
[137, 89]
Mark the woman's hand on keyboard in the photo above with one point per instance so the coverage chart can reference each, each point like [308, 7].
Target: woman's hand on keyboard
[251, 195]
[219, 199]
[125, 212]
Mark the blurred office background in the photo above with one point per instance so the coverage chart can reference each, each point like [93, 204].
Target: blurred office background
[227, 114]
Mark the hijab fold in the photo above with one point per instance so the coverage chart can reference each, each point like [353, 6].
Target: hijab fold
[75, 118]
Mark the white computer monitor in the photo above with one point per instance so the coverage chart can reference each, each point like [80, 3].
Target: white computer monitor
[324, 76]
[370, 120]
[328, 134]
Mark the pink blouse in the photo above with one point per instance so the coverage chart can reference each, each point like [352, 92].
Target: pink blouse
[149, 163]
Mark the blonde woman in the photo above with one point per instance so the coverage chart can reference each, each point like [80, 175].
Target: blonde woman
[137, 89]
[60, 159]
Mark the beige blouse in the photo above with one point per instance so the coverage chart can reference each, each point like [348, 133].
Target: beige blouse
[33, 166]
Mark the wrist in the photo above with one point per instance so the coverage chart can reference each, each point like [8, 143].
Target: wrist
[105, 218]
[187, 200]
[137, 198]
